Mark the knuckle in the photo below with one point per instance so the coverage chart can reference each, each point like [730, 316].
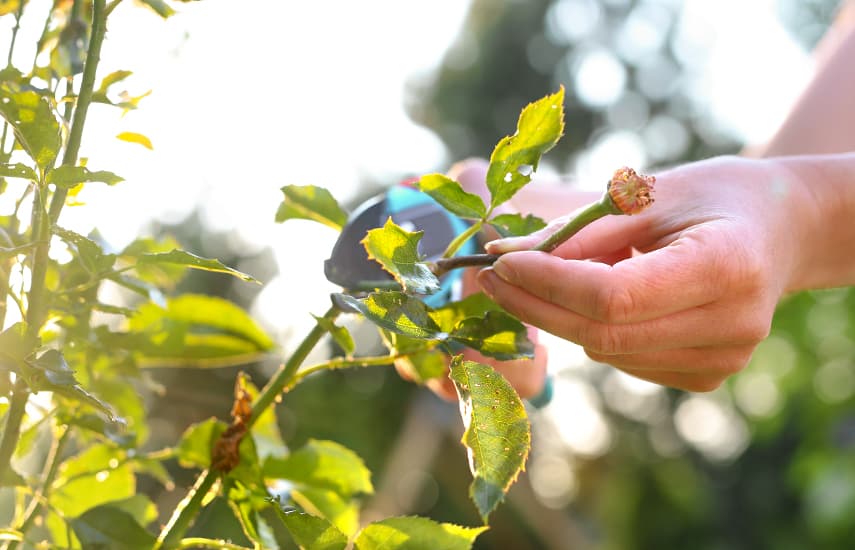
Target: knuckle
[613, 304]
[603, 339]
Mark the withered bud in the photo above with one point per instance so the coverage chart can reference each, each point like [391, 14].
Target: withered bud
[630, 191]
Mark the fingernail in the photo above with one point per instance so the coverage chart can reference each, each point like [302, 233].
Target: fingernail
[504, 271]
[500, 246]
[485, 279]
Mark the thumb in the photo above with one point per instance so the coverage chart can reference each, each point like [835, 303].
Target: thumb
[605, 237]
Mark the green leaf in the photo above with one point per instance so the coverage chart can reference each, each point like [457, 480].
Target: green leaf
[110, 527]
[194, 448]
[98, 475]
[186, 259]
[50, 372]
[160, 7]
[415, 533]
[310, 202]
[311, 532]
[18, 170]
[16, 345]
[497, 434]
[34, 123]
[133, 137]
[452, 313]
[68, 176]
[396, 249]
[514, 225]
[162, 275]
[497, 334]
[193, 330]
[340, 335]
[516, 157]
[451, 195]
[324, 465]
[246, 505]
[341, 512]
[90, 253]
[397, 312]
[424, 365]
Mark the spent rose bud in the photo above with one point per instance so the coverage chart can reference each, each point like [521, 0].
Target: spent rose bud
[630, 191]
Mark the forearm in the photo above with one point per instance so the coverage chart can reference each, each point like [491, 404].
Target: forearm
[822, 119]
[826, 220]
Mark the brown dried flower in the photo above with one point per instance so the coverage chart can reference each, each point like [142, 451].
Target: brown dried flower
[630, 191]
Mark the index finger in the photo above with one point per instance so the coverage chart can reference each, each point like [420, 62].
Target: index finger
[679, 276]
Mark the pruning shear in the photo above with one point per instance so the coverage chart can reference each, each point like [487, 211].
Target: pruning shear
[350, 267]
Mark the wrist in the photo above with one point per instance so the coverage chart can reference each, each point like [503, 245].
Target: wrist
[823, 205]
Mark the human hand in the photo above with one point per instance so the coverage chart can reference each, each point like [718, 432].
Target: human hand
[713, 256]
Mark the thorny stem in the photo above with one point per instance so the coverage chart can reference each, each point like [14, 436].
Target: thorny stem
[344, 363]
[84, 98]
[41, 221]
[186, 511]
[170, 537]
[458, 241]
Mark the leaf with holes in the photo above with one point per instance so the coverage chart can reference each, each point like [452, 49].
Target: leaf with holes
[415, 533]
[497, 436]
[397, 312]
[451, 195]
[34, 123]
[68, 176]
[18, 170]
[310, 202]
[515, 225]
[397, 250]
[516, 157]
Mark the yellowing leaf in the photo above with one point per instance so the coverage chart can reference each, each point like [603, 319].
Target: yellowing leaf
[497, 335]
[397, 312]
[133, 137]
[497, 436]
[396, 249]
[415, 533]
[35, 125]
[516, 157]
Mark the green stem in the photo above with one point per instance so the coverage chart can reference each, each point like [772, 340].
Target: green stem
[459, 240]
[84, 98]
[283, 377]
[592, 212]
[344, 363]
[186, 511]
[51, 468]
[198, 542]
[171, 535]
[12, 431]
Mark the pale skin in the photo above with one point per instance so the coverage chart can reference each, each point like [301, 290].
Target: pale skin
[682, 293]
